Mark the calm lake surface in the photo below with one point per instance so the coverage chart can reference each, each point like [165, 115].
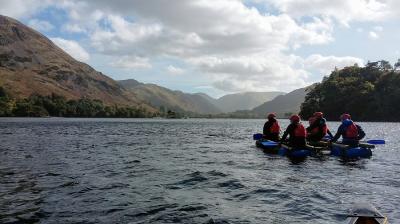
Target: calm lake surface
[59, 170]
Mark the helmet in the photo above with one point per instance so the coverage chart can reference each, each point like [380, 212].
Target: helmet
[318, 114]
[295, 118]
[271, 115]
[345, 117]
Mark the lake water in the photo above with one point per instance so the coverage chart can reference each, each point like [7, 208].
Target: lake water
[56, 170]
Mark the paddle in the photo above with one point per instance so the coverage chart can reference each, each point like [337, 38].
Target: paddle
[371, 141]
[376, 141]
[257, 136]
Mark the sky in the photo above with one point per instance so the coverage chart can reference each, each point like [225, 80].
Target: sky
[217, 46]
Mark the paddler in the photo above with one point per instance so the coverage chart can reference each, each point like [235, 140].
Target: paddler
[350, 132]
[296, 131]
[271, 128]
[317, 128]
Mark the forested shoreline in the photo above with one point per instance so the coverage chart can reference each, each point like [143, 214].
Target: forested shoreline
[59, 106]
[370, 93]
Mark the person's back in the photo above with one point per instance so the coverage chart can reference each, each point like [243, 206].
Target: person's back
[318, 128]
[351, 133]
[271, 128]
[297, 133]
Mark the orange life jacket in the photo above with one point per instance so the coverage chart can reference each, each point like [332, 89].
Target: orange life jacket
[300, 131]
[351, 131]
[275, 129]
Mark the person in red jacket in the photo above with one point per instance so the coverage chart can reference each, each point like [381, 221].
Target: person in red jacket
[296, 131]
[318, 128]
[271, 128]
[351, 133]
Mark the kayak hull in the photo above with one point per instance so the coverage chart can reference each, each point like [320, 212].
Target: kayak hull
[272, 147]
[364, 213]
[268, 146]
[347, 152]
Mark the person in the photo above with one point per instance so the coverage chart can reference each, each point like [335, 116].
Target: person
[350, 132]
[317, 128]
[271, 128]
[296, 131]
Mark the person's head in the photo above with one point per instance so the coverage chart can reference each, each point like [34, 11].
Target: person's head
[294, 119]
[345, 117]
[318, 115]
[311, 120]
[271, 116]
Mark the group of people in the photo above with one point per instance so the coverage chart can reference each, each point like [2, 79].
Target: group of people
[350, 132]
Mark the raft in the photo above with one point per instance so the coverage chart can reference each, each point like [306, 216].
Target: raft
[268, 146]
[362, 151]
[272, 147]
[364, 213]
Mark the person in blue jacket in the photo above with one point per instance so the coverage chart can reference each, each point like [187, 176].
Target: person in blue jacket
[350, 132]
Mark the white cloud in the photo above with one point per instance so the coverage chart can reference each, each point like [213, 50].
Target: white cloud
[132, 62]
[343, 11]
[240, 48]
[175, 70]
[22, 8]
[230, 39]
[73, 48]
[40, 25]
[373, 35]
[326, 64]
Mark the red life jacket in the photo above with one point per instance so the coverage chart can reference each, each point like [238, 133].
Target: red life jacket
[300, 131]
[275, 129]
[324, 130]
[351, 131]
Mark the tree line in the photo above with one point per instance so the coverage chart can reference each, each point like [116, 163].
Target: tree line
[59, 106]
[370, 93]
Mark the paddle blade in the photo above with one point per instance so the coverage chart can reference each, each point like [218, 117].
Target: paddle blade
[257, 136]
[376, 141]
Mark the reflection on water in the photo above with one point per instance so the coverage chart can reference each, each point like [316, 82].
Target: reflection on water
[180, 171]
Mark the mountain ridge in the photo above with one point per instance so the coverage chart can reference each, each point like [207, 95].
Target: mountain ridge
[30, 63]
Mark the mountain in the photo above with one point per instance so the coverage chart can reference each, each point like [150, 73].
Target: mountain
[283, 104]
[244, 101]
[171, 100]
[30, 64]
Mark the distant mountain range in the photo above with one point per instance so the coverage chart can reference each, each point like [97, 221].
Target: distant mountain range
[244, 101]
[283, 105]
[161, 97]
[30, 63]
[198, 102]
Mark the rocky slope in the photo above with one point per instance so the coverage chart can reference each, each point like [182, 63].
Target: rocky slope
[32, 64]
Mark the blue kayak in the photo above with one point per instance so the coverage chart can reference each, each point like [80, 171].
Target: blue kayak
[272, 147]
[350, 152]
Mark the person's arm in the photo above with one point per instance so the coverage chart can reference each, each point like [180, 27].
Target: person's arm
[312, 126]
[361, 133]
[329, 133]
[285, 134]
[338, 134]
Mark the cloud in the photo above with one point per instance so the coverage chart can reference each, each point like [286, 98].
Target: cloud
[175, 70]
[326, 64]
[343, 11]
[231, 39]
[234, 44]
[22, 8]
[72, 48]
[40, 25]
[132, 62]
[373, 35]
